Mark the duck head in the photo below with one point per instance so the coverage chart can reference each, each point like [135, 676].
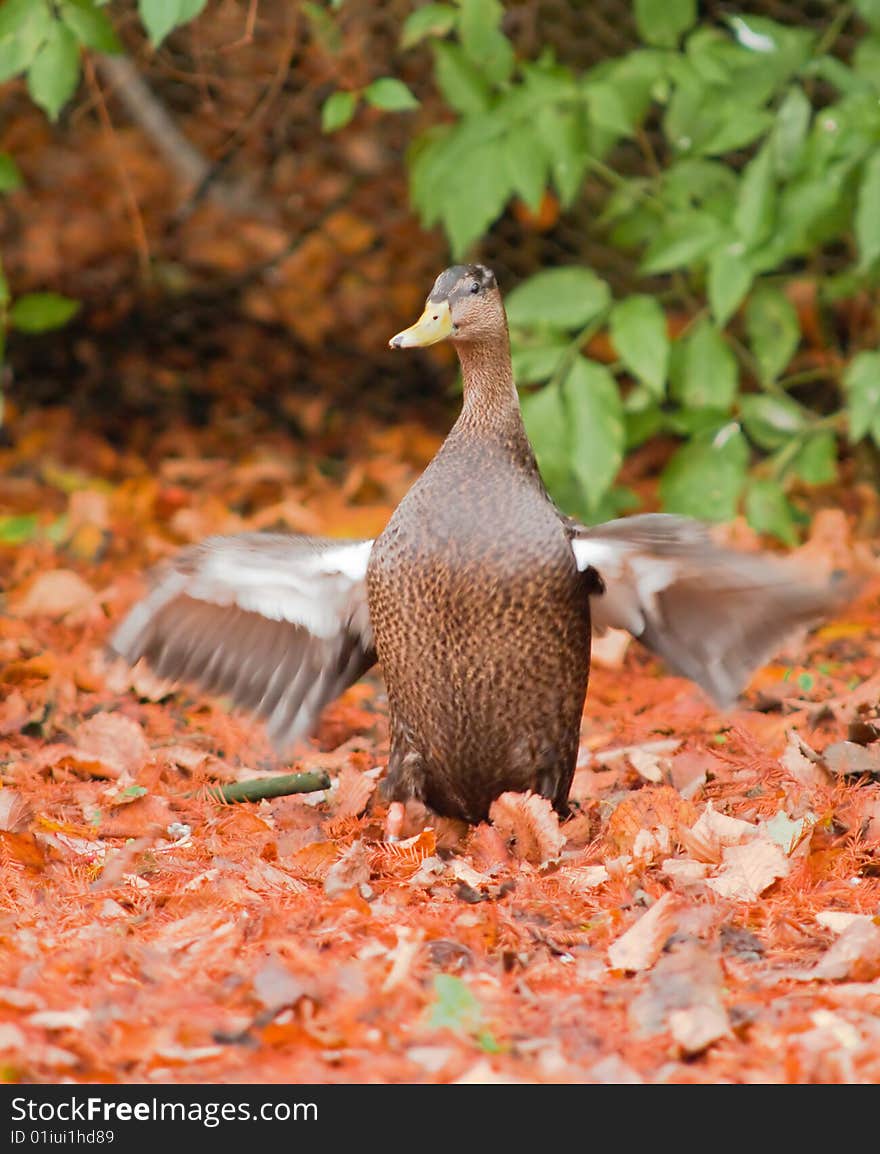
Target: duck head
[463, 305]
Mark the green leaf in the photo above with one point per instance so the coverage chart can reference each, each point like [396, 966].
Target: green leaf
[549, 431]
[10, 177]
[768, 510]
[663, 22]
[17, 529]
[13, 16]
[162, 16]
[705, 477]
[867, 222]
[90, 26]
[479, 27]
[477, 202]
[390, 94]
[537, 362]
[608, 109]
[756, 202]
[430, 21]
[790, 131]
[773, 330]
[866, 60]
[728, 281]
[816, 460]
[595, 412]
[563, 137]
[682, 239]
[771, 421]
[25, 26]
[455, 1007]
[339, 108]
[40, 312]
[54, 75]
[527, 164]
[704, 369]
[738, 128]
[14, 58]
[639, 334]
[460, 82]
[862, 383]
[869, 10]
[323, 28]
[561, 298]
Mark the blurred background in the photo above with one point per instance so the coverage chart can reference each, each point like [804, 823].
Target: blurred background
[215, 214]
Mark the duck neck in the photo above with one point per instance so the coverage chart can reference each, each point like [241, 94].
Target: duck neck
[490, 397]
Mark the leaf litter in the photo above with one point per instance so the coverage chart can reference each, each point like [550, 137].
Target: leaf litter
[709, 912]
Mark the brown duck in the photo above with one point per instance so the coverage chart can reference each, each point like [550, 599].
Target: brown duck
[478, 600]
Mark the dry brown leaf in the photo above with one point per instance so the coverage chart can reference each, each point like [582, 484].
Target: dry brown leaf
[16, 813]
[640, 946]
[747, 870]
[854, 956]
[585, 877]
[648, 809]
[695, 1028]
[115, 740]
[402, 957]
[15, 713]
[529, 825]
[648, 765]
[22, 848]
[275, 986]
[354, 791]
[56, 593]
[706, 839]
[351, 871]
[803, 768]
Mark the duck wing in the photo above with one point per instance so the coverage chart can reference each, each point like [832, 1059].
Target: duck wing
[279, 623]
[712, 614]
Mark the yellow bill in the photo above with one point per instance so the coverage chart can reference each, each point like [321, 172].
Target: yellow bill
[435, 324]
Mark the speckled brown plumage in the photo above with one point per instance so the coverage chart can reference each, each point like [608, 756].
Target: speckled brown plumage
[480, 616]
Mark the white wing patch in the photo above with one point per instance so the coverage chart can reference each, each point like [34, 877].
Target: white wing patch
[632, 581]
[306, 593]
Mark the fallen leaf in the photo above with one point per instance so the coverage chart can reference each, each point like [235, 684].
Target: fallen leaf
[640, 946]
[846, 757]
[747, 870]
[648, 809]
[275, 986]
[351, 871]
[803, 767]
[855, 956]
[529, 825]
[114, 740]
[56, 593]
[16, 813]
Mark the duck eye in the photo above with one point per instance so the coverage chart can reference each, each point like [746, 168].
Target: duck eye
[475, 287]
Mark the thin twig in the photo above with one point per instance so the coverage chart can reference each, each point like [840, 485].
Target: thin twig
[141, 241]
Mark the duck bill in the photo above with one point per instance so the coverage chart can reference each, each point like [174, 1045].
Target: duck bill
[435, 324]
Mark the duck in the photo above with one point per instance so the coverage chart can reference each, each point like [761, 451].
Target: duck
[478, 600]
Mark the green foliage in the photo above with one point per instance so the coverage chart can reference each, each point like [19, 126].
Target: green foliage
[43, 41]
[41, 312]
[162, 16]
[456, 1008]
[387, 93]
[760, 171]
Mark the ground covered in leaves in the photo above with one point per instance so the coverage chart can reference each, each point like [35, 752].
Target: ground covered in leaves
[709, 914]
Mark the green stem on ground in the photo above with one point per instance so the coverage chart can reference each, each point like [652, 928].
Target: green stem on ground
[259, 788]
